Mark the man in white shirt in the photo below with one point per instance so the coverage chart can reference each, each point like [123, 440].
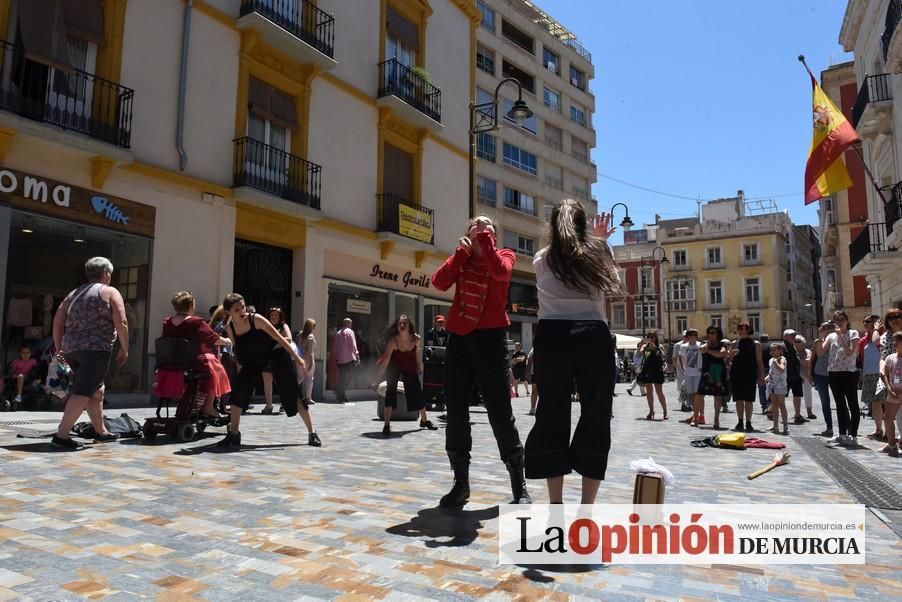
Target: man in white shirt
[691, 363]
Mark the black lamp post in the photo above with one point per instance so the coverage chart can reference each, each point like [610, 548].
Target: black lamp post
[484, 118]
[627, 223]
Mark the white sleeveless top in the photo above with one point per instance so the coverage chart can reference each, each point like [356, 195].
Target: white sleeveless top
[558, 302]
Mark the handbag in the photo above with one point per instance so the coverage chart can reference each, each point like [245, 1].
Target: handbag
[59, 377]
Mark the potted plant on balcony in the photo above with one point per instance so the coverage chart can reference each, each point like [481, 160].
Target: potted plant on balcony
[419, 72]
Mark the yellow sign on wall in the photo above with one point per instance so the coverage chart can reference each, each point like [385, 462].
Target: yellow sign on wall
[415, 223]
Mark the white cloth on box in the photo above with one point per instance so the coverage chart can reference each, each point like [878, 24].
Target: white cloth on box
[649, 466]
[19, 312]
[383, 387]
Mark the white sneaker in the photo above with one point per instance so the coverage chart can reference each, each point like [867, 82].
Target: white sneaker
[835, 440]
[18, 399]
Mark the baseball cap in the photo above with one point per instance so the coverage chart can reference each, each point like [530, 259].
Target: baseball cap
[440, 318]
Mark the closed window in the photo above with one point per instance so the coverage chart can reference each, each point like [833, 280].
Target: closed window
[485, 59]
[520, 159]
[554, 137]
[552, 99]
[523, 245]
[681, 294]
[716, 320]
[488, 16]
[551, 61]
[646, 315]
[682, 323]
[752, 291]
[485, 146]
[713, 254]
[754, 321]
[618, 315]
[680, 258]
[750, 252]
[486, 190]
[715, 292]
[578, 114]
[647, 281]
[579, 150]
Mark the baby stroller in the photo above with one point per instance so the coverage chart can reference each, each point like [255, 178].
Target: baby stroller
[176, 364]
[434, 377]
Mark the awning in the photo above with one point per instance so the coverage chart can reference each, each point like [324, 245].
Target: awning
[43, 30]
[272, 104]
[84, 19]
[402, 29]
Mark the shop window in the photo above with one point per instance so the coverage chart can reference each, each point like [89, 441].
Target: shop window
[368, 309]
[54, 252]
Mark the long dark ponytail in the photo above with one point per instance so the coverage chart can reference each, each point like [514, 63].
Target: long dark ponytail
[577, 257]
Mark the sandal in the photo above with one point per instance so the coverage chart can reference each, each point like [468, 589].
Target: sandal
[666, 416]
[266, 411]
[650, 416]
[427, 424]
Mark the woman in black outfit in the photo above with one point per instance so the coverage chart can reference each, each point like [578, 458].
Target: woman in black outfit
[746, 372]
[258, 344]
[653, 374]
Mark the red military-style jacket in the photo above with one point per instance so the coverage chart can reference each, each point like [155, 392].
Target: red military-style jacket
[482, 283]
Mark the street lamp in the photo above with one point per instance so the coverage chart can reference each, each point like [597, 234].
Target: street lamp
[664, 260]
[627, 223]
[484, 118]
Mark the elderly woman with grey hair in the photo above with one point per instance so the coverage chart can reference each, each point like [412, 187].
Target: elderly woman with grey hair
[87, 323]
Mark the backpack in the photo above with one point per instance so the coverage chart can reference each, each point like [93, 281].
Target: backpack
[124, 425]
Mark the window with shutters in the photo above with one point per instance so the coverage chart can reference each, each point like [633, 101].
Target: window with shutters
[271, 120]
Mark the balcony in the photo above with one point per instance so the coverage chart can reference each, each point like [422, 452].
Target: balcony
[872, 113]
[401, 218]
[269, 176]
[891, 40]
[679, 267]
[521, 208]
[892, 212]
[295, 27]
[682, 305]
[869, 253]
[73, 100]
[759, 303]
[410, 95]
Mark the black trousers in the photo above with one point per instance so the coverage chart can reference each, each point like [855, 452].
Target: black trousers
[413, 392]
[845, 391]
[568, 351]
[344, 377]
[284, 372]
[479, 357]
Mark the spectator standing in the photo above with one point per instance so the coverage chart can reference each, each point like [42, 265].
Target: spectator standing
[842, 346]
[690, 358]
[870, 352]
[820, 356]
[765, 359]
[793, 374]
[805, 356]
[346, 356]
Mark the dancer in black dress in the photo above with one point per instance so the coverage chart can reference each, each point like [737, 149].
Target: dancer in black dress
[652, 375]
[746, 373]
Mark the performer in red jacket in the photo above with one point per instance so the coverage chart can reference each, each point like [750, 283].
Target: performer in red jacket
[477, 353]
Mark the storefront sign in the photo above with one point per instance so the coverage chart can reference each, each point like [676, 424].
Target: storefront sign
[415, 223]
[356, 306]
[56, 199]
[381, 275]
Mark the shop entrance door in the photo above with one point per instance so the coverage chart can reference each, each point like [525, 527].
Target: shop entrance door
[263, 276]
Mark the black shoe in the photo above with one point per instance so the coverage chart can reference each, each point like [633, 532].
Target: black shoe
[386, 430]
[460, 492]
[827, 433]
[427, 424]
[313, 440]
[748, 427]
[267, 411]
[739, 427]
[230, 440]
[811, 415]
[66, 444]
[799, 420]
[106, 438]
[515, 468]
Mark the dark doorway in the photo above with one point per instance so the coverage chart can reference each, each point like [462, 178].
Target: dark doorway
[263, 276]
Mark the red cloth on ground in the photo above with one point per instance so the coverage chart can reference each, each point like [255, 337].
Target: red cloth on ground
[480, 297]
[753, 442]
[197, 331]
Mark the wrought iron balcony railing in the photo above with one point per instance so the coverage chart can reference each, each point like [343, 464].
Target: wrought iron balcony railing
[870, 240]
[400, 216]
[282, 174]
[874, 88]
[300, 18]
[399, 80]
[71, 99]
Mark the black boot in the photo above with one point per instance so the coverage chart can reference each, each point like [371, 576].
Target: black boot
[516, 469]
[460, 492]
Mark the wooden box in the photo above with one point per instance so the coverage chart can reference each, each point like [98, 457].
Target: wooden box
[649, 489]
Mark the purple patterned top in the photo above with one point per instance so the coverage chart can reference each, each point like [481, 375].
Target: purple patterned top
[89, 320]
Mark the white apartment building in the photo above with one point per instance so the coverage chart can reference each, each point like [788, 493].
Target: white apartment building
[522, 169]
[872, 30]
[308, 154]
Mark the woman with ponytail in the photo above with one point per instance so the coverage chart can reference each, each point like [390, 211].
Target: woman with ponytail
[573, 273]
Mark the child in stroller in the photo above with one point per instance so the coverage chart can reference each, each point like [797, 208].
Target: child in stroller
[24, 384]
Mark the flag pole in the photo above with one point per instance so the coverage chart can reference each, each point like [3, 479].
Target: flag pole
[856, 146]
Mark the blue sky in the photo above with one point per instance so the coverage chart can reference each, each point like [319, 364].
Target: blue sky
[702, 98]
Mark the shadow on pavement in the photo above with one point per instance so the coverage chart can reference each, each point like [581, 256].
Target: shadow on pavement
[213, 449]
[160, 440]
[394, 434]
[42, 447]
[535, 572]
[462, 526]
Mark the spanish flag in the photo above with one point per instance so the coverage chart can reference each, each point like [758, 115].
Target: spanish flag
[825, 172]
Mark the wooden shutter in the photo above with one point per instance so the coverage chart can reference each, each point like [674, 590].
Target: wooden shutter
[271, 104]
[84, 19]
[43, 31]
[401, 28]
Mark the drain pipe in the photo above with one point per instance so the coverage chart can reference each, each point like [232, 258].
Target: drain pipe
[183, 88]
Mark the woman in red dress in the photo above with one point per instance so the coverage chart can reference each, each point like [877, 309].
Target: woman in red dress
[185, 325]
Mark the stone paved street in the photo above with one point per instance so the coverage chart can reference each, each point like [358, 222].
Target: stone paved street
[356, 519]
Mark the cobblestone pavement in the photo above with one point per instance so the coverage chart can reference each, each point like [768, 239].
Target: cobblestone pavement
[355, 519]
